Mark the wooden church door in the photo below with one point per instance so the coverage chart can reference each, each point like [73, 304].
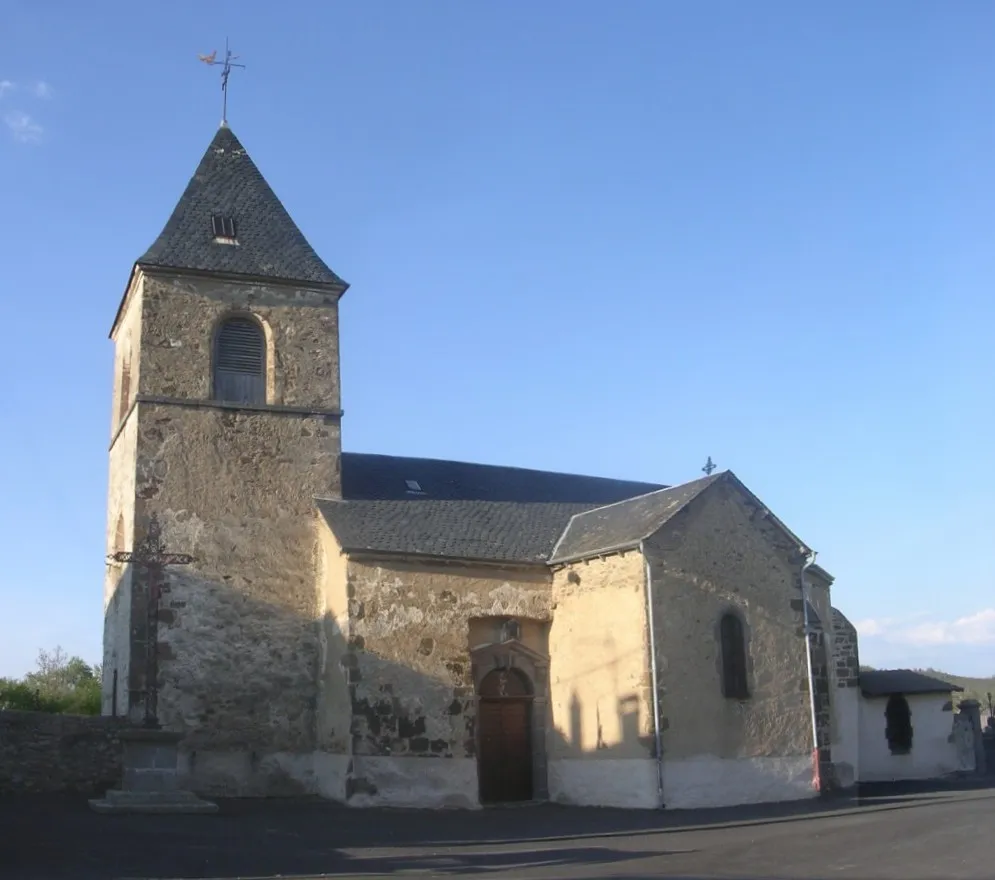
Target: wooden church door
[504, 720]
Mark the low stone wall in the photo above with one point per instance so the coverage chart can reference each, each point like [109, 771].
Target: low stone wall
[40, 752]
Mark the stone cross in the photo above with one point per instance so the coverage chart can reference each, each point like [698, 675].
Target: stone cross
[152, 557]
[709, 466]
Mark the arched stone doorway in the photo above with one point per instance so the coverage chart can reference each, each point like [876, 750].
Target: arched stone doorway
[498, 721]
[505, 740]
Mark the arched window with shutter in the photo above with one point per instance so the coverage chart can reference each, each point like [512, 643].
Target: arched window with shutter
[735, 685]
[240, 361]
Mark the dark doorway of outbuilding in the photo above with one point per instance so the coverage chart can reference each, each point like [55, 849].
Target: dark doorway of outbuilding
[898, 729]
[504, 720]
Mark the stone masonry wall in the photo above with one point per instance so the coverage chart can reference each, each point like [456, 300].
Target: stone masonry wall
[234, 486]
[42, 753]
[820, 661]
[336, 665]
[179, 317]
[121, 503]
[721, 554]
[238, 630]
[599, 670]
[846, 700]
[821, 641]
[118, 577]
[408, 656]
[846, 655]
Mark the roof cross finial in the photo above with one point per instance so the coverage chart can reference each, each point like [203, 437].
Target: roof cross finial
[709, 466]
[226, 66]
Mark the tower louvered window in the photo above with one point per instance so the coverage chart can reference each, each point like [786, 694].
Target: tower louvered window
[240, 362]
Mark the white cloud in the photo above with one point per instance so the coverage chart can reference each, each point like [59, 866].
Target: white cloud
[870, 627]
[42, 89]
[23, 127]
[974, 629]
[5, 86]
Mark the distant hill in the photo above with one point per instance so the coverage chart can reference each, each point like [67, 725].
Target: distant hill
[974, 688]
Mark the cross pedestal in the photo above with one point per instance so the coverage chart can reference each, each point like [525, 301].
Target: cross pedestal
[150, 782]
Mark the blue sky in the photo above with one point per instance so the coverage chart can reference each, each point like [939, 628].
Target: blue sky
[611, 238]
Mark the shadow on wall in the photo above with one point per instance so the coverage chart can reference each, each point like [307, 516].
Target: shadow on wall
[236, 675]
[622, 713]
[274, 703]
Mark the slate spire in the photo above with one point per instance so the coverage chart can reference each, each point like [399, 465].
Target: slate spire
[228, 191]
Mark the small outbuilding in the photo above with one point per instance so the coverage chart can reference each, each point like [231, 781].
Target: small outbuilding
[906, 726]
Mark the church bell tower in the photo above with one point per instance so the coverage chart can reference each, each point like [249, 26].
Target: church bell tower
[226, 426]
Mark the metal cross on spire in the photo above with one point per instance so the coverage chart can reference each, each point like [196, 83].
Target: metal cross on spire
[152, 557]
[226, 65]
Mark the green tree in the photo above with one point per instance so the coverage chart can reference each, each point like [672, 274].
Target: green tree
[59, 684]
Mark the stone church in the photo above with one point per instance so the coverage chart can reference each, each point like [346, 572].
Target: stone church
[403, 631]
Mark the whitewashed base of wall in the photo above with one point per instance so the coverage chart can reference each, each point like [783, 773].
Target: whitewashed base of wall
[708, 781]
[432, 783]
[608, 782]
[242, 773]
[451, 783]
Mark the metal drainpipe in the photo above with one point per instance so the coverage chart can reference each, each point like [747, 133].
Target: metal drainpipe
[809, 562]
[654, 680]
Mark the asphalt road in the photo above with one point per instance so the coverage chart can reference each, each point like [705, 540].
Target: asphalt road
[912, 834]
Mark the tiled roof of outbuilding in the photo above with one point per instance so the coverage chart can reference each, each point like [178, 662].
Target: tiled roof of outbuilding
[884, 682]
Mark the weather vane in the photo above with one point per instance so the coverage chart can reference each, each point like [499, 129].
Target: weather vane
[226, 67]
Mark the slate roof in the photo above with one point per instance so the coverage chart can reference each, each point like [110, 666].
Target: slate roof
[460, 510]
[884, 682]
[466, 511]
[625, 523]
[498, 531]
[269, 245]
[371, 477]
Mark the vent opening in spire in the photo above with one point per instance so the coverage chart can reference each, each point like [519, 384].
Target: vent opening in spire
[227, 184]
[223, 227]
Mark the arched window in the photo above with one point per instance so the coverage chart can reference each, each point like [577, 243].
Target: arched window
[734, 678]
[119, 535]
[124, 392]
[240, 362]
[898, 721]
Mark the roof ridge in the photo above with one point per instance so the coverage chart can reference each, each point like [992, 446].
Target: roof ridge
[506, 467]
[691, 489]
